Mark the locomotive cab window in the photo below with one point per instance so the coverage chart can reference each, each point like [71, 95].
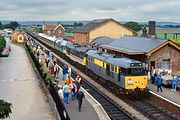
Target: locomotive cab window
[136, 71]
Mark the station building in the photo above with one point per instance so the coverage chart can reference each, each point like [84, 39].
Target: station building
[101, 27]
[54, 30]
[158, 53]
[18, 36]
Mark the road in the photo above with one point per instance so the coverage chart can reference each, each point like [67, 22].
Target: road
[19, 85]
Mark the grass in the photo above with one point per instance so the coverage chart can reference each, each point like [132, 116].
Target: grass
[19, 44]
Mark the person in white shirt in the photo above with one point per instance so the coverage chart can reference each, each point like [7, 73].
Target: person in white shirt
[60, 92]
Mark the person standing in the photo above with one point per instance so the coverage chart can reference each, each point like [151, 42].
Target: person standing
[73, 90]
[174, 83]
[68, 80]
[66, 93]
[153, 75]
[159, 83]
[69, 71]
[55, 69]
[64, 72]
[46, 61]
[60, 92]
[80, 95]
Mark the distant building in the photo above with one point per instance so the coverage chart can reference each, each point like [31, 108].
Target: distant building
[54, 30]
[18, 36]
[160, 32]
[158, 53]
[101, 27]
[8, 32]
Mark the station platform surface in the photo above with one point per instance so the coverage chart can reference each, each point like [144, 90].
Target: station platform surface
[166, 93]
[91, 109]
[19, 85]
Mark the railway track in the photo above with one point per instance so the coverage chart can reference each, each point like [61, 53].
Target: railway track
[114, 111]
[151, 111]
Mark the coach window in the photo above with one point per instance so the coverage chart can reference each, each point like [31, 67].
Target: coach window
[103, 64]
[115, 69]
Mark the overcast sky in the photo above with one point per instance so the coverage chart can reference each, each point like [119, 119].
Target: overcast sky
[59, 10]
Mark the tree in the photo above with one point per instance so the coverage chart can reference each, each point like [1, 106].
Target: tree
[134, 25]
[2, 43]
[12, 25]
[5, 109]
[1, 25]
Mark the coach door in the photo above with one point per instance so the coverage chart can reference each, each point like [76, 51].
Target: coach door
[107, 69]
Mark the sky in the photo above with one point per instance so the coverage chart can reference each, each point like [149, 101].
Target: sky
[67, 10]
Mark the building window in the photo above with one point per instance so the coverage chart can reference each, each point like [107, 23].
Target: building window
[59, 31]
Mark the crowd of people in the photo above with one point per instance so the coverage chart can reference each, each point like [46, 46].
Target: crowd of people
[156, 78]
[71, 88]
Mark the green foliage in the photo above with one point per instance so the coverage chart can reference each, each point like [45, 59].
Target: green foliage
[5, 109]
[1, 25]
[2, 43]
[70, 28]
[12, 25]
[177, 42]
[134, 25]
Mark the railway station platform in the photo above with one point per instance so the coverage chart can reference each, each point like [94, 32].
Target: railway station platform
[91, 109]
[20, 86]
[166, 93]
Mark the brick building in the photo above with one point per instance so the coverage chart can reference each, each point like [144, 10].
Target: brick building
[54, 30]
[18, 36]
[159, 53]
[101, 27]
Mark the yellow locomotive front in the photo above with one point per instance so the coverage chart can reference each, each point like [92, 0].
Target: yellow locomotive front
[136, 80]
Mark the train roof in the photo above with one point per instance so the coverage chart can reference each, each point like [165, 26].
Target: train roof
[82, 49]
[99, 55]
[124, 62]
[62, 42]
[47, 37]
[114, 60]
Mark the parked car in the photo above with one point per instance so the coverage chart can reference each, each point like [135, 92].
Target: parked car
[8, 47]
[4, 53]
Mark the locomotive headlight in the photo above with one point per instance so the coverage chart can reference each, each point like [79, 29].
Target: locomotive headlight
[130, 82]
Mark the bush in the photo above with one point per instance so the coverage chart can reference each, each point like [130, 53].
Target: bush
[2, 43]
[5, 109]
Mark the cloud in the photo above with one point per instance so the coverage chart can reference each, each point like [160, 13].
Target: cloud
[125, 10]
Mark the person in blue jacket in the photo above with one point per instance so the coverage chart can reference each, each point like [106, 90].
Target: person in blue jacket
[174, 83]
[159, 83]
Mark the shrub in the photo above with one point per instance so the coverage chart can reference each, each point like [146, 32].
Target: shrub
[2, 43]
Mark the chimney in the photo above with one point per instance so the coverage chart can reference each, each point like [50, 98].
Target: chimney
[144, 31]
[152, 30]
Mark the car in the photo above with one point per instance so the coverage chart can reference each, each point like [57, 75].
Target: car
[8, 47]
[4, 53]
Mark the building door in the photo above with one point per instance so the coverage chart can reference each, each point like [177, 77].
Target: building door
[152, 64]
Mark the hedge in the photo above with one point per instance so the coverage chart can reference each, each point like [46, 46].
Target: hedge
[2, 43]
